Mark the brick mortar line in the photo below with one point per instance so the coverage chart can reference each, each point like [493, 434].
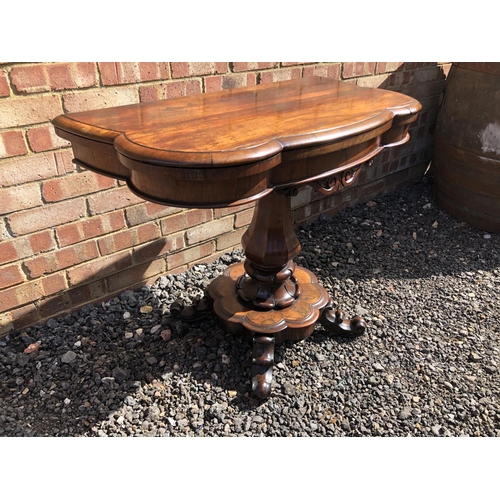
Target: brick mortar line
[99, 75]
[25, 131]
[9, 230]
[42, 197]
[87, 208]
[56, 239]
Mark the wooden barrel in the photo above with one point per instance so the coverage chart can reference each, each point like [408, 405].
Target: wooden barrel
[467, 154]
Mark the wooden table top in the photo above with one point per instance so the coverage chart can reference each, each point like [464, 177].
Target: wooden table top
[166, 150]
[240, 125]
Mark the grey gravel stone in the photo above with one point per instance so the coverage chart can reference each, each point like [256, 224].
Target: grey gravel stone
[361, 311]
[119, 374]
[130, 401]
[405, 413]
[436, 430]
[68, 357]
[474, 356]
[346, 425]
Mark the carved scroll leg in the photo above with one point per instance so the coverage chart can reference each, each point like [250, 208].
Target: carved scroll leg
[262, 365]
[200, 309]
[333, 320]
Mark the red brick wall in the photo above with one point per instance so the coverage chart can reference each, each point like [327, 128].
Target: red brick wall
[69, 236]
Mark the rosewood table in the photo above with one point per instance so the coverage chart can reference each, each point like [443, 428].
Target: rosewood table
[258, 144]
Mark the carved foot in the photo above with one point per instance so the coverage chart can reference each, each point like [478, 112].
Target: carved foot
[333, 320]
[262, 365]
[200, 309]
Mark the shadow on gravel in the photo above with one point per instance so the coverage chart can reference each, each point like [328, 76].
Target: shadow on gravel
[402, 256]
[127, 373]
[403, 235]
[125, 367]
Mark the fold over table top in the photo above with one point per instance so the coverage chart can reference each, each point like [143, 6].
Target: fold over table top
[253, 126]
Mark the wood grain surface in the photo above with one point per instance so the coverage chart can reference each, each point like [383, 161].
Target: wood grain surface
[240, 125]
[235, 146]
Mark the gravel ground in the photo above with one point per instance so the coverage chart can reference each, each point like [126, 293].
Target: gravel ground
[427, 284]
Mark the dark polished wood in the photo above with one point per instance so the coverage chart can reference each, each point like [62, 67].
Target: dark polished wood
[229, 147]
[251, 144]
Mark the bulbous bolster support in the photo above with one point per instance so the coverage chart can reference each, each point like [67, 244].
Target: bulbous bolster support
[268, 288]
